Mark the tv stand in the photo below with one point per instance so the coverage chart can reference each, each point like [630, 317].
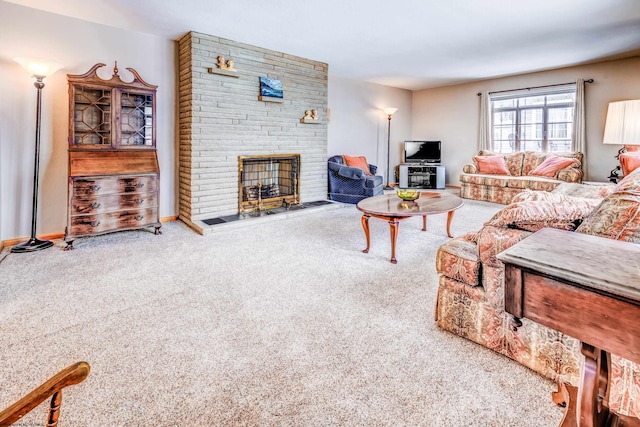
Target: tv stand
[421, 175]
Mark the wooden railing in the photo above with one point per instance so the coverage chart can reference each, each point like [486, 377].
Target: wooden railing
[70, 375]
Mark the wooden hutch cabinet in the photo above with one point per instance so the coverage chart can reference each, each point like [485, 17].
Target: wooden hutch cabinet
[114, 177]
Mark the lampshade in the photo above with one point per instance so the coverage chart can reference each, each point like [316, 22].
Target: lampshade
[37, 67]
[390, 110]
[623, 123]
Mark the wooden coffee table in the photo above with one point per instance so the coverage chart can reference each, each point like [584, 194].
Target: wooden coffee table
[393, 209]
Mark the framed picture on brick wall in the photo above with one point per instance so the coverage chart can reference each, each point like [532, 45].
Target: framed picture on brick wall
[271, 90]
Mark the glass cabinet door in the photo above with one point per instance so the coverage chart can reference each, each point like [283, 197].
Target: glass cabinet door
[91, 117]
[136, 119]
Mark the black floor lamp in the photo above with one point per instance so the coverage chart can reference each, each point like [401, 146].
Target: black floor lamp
[389, 112]
[39, 70]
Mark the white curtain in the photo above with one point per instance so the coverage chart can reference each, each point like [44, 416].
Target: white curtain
[484, 136]
[579, 136]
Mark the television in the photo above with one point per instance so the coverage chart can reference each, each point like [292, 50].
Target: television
[422, 152]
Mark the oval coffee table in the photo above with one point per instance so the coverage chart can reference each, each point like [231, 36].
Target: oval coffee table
[393, 209]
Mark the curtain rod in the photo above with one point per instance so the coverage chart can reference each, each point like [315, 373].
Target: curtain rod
[535, 87]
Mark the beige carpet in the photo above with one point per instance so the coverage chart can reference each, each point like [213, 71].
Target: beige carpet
[285, 323]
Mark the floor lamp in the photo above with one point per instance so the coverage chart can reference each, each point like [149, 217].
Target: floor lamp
[39, 70]
[389, 112]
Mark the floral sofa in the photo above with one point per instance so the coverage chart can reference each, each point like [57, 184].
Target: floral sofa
[470, 300]
[518, 177]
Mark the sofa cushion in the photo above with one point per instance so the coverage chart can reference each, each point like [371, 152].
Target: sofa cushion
[532, 215]
[357, 162]
[533, 183]
[494, 165]
[552, 165]
[458, 259]
[490, 180]
[618, 216]
[582, 190]
[552, 196]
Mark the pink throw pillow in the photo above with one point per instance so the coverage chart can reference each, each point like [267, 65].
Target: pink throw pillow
[551, 165]
[493, 165]
[629, 162]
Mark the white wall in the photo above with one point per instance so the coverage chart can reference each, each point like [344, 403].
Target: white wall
[358, 125]
[452, 113]
[77, 45]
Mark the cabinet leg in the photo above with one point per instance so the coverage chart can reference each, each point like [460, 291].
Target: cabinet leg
[157, 231]
[69, 246]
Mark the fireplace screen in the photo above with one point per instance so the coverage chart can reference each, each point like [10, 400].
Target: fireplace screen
[268, 182]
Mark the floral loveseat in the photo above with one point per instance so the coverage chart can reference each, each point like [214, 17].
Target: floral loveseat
[518, 177]
[470, 300]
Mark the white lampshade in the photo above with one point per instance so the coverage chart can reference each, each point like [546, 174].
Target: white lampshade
[390, 110]
[37, 67]
[623, 123]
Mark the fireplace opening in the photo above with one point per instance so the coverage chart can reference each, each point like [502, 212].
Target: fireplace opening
[268, 182]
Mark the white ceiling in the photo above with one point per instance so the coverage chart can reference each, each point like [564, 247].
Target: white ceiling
[411, 44]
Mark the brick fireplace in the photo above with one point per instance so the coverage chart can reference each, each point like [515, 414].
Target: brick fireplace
[221, 120]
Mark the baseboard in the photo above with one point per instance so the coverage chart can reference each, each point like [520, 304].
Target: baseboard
[53, 236]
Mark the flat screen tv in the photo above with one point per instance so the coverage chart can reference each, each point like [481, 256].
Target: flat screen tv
[422, 152]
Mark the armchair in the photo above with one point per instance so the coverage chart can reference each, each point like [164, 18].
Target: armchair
[350, 184]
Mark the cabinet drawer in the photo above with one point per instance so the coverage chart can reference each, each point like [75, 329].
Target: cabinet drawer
[101, 204]
[122, 220]
[87, 187]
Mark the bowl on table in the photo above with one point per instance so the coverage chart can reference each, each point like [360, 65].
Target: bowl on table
[408, 194]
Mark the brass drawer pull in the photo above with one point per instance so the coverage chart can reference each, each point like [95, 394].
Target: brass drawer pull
[139, 185]
[138, 201]
[95, 187]
[138, 217]
[95, 223]
[94, 205]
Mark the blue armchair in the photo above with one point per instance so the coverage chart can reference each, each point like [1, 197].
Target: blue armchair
[350, 185]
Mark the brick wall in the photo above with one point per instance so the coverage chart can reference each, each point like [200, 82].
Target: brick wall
[221, 118]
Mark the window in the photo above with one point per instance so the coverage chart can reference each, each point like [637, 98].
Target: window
[541, 121]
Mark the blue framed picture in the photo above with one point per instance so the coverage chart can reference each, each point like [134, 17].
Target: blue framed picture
[270, 88]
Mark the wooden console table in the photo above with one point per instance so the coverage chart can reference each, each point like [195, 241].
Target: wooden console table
[587, 287]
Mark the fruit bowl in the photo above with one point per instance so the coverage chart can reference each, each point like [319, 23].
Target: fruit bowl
[408, 194]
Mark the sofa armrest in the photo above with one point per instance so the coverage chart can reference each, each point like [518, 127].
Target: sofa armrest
[493, 240]
[351, 172]
[334, 166]
[373, 169]
[469, 169]
[570, 175]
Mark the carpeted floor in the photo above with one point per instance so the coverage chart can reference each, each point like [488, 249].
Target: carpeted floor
[285, 323]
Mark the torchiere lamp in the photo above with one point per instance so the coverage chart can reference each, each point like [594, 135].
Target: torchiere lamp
[39, 70]
[389, 111]
[623, 128]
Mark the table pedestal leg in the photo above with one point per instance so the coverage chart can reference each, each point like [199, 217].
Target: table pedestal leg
[449, 219]
[393, 228]
[424, 223]
[365, 225]
[593, 387]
